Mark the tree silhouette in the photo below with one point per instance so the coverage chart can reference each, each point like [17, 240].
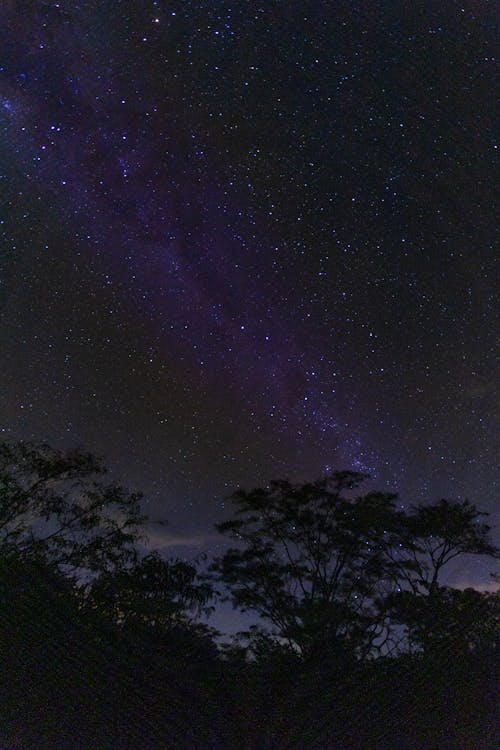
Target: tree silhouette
[326, 567]
[53, 505]
[449, 621]
[433, 614]
[103, 642]
[154, 592]
[308, 560]
[100, 641]
[158, 601]
[440, 532]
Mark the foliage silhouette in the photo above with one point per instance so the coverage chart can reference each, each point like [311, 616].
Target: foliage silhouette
[308, 559]
[328, 568]
[105, 644]
[52, 505]
[154, 592]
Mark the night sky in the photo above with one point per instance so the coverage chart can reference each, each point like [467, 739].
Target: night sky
[247, 241]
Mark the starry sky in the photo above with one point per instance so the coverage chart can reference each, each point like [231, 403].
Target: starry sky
[246, 241]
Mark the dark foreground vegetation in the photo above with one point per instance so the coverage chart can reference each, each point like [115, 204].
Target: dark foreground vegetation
[104, 643]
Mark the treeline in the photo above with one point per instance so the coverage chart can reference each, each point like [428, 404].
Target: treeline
[357, 642]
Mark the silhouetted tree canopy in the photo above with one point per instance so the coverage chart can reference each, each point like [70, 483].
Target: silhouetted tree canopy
[55, 505]
[325, 566]
[105, 644]
[154, 592]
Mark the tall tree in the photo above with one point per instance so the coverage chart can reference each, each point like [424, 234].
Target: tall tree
[308, 560]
